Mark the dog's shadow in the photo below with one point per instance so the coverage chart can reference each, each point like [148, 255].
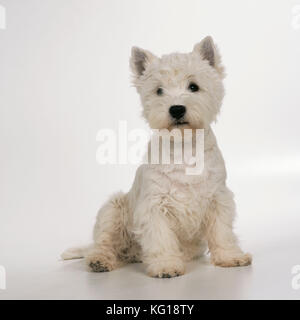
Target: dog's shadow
[138, 268]
[202, 280]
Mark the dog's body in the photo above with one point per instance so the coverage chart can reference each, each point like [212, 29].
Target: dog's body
[169, 217]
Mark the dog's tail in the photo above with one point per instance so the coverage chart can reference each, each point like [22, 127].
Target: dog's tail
[75, 253]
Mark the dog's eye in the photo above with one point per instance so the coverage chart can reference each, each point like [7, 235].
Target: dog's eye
[159, 91]
[193, 87]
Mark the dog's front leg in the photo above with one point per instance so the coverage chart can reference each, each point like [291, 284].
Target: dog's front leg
[222, 242]
[159, 244]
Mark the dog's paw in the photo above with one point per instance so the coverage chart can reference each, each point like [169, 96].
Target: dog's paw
[166, 269]
[98, 264]
[228, 259]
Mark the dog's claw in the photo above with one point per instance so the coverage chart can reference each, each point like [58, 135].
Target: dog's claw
[167, 275]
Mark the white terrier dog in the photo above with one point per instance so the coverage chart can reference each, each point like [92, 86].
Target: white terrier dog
[169, 217]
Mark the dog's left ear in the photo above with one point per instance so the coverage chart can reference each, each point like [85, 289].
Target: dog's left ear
[209, 51]
[139, 60]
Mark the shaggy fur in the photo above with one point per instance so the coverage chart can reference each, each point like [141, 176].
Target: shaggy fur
[169, 217]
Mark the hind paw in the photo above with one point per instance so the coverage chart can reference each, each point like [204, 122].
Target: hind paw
[97, 266]
[224, 259]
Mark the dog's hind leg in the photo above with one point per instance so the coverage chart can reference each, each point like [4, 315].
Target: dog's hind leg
[111, 237]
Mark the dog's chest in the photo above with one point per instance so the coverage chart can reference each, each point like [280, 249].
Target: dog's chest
[193, 185]
[191, 190]
[187, 199]
[185, 195]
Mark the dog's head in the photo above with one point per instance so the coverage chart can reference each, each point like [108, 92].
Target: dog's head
[179, 90]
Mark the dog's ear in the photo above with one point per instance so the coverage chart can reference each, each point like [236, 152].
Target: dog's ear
[209, 51]
[139, 60]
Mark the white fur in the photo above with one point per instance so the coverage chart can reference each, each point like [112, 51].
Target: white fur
[169, 217]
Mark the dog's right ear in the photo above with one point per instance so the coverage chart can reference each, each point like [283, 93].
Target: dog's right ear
[139, 60]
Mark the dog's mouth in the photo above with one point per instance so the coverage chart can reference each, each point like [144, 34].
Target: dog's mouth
[180, 123]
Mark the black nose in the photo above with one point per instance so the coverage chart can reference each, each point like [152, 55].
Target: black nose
[177, 112]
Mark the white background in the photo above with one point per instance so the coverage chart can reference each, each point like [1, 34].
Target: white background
[64, 74]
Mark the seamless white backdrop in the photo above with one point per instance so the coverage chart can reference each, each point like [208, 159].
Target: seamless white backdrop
[64, 74]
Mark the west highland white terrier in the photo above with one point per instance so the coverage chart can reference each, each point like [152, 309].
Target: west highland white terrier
[169, 217]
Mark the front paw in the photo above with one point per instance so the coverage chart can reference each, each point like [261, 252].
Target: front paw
[166, 268]
[228, 259]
